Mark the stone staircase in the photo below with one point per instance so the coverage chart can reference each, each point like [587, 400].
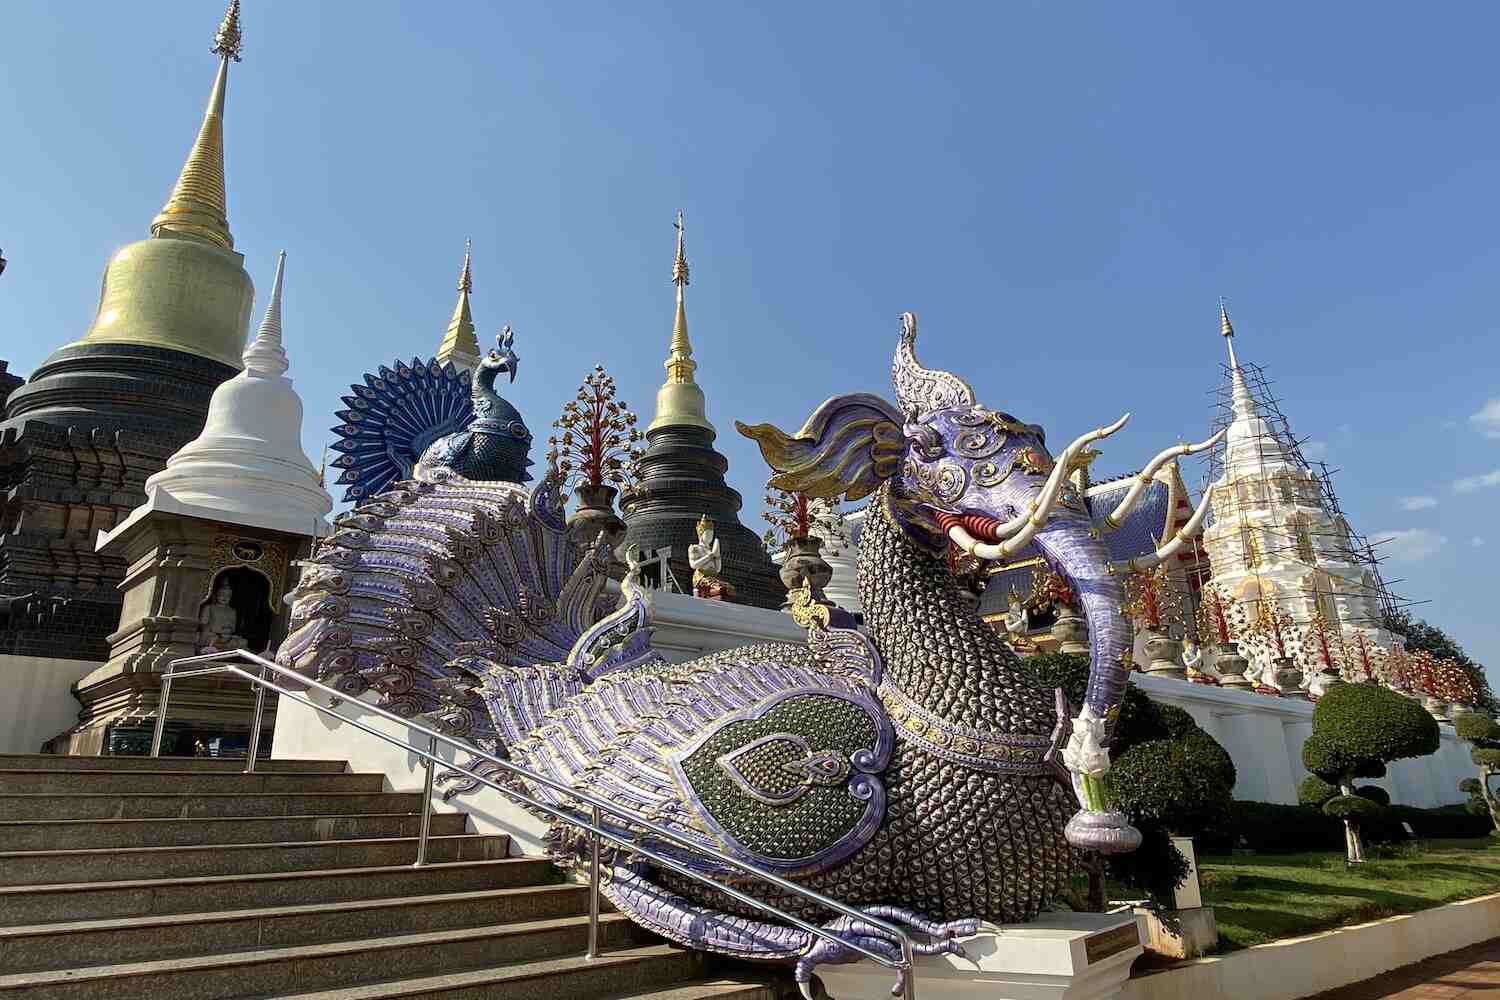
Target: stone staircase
[124, 877]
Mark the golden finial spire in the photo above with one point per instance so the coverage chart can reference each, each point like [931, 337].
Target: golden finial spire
[680, 401]
[680, 363]
[460, 345]
[466, 277]
[196, 208]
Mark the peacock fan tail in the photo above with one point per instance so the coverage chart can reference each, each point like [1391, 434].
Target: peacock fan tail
[428, 585]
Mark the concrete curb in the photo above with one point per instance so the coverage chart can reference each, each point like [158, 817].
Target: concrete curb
[1301, 967]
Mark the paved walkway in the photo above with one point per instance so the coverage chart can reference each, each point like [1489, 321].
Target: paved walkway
[1466, 974]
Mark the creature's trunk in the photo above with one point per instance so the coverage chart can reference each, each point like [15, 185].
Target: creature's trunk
[1356, 847]
[1069, 543]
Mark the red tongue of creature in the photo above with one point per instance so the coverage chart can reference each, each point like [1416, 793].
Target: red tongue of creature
[978, 525]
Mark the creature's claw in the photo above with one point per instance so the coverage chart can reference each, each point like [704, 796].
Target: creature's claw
[823, 951]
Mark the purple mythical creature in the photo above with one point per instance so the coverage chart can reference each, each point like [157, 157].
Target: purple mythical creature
[911, 769]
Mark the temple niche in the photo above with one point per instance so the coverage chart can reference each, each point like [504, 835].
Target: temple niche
[239, 611]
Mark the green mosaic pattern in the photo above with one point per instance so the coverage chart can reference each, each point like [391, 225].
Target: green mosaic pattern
[818, 819]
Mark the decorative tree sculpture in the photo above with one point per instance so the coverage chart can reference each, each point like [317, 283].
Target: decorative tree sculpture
[806, 525]
[1322, 653]
[1483, 734]
[1361, 659]
[1357, 730]
[1453, 686]
[1228, 622]
[596, 453]
[1275, 637]
[1152, 604]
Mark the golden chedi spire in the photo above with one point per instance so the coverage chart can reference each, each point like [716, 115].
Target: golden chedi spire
[680, 400]
[184, 288]
[460, 345]
[196, 207]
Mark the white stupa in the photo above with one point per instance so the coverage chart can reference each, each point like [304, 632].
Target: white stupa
[1274, 536]
[247, 467]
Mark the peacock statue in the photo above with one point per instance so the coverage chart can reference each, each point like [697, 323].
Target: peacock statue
[909, 768]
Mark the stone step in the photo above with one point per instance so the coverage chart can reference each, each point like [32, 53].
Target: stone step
[60, 762]
[135, 939]
[341, 966]
[49, 904]
[18, 781]
[116, 805]
[46, 867]
[734, 988]
[91, 834]
[573, 978]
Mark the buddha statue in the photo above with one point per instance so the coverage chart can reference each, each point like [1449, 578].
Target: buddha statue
[219, 623]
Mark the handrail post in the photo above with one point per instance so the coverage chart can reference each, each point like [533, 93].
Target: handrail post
[432, 748]
[909, 959]
[260, 708]
[161, 711]
[594, 888]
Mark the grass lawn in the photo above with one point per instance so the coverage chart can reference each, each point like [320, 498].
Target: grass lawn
[1264, 897]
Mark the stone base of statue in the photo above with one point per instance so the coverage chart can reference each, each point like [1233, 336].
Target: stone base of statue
[176, 566]
[595, 516]
[1231, 667]
[711, 588]
[1161, 656]
[1070, 630]
[1058, 956]
[802, 564]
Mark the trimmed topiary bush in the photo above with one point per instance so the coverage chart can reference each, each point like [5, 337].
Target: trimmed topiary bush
[1357, 730]
[1169, 776]
[1374, 793]
[1314, 791]
[1483, 733]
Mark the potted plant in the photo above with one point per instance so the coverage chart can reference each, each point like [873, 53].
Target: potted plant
[1150, 602]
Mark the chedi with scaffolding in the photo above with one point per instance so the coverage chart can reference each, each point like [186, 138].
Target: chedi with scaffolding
[1277, 533]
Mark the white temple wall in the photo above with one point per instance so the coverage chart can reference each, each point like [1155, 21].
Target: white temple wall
[39, 700]
[1264, 737]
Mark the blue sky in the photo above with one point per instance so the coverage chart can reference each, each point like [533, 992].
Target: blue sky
[1061, 192]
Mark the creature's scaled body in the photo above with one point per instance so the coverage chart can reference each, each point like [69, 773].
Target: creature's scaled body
[909, 770]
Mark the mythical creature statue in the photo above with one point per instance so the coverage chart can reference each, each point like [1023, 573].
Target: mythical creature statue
[911, 769]
[494, 445]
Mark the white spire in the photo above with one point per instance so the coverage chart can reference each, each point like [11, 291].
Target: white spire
[265, 355]
[247, 467]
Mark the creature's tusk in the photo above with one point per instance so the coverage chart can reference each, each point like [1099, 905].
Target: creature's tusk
[1184, 535]
[963, 539]
[1138, 488]
[1031, 522]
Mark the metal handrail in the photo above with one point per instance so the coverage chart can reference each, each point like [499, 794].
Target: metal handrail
[905, 966]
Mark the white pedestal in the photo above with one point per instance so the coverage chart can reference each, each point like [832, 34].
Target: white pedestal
[1059, 956]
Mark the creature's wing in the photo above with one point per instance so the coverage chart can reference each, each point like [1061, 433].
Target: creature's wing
[758, 752]
[430, 573]
[390, 419]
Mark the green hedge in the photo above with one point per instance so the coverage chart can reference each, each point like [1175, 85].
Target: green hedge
[1272, 828]
[1443, 822]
